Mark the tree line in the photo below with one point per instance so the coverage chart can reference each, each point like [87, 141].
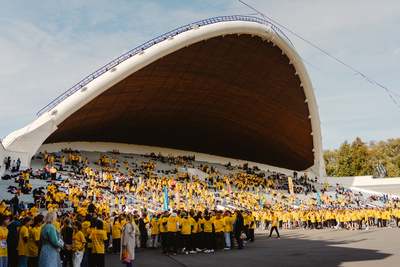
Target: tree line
[379, 159]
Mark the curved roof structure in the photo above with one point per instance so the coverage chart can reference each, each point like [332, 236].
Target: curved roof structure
[231, 86]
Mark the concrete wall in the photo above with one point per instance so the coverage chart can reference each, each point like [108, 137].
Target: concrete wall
[363, 181]
[2, 156]
[24, 157]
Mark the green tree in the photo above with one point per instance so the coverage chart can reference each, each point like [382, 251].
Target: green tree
[345, 161]
[380, 159]
[359, 155]
[330, 158]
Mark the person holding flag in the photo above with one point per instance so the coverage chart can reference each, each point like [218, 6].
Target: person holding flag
[319, 200]
[290, 181]
[166, 199]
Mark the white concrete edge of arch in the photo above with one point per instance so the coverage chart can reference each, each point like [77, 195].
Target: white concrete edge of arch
[28, 139]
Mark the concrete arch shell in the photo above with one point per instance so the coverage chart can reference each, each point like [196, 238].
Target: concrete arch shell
[236, 89]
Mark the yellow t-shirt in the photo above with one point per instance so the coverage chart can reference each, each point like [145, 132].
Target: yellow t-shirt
[22, 246]
[207, 225]
[78, 239]
[2, 207]
[245, 219]
[219, 225]
[155, 227]
[172, 223]
[275, 221]
[163, 228]
[88, 233]
[252, 222]
[116, 230]
[3, 239]
[186, 226]
[34, 236]
[228, 224]
[98, 236]
[85, 227]
[57, 225]
[34, 211]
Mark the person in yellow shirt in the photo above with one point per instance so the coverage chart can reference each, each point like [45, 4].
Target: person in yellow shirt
[51, 160]
[116, 199]
[34, 211]
[274, 225]
[48, 198]
[33, 240]
[86, 224]
[91, 228]
[219, 225]
[155, 231]
[116, 235]
[208, 229]
[164, 231]
[2, 207]
[23, 236]
[173, 237]
[251, 227]
[24, 213]
[4, 221]
[98, 236]
[78, 244]
[196, 231]
[57, 224]
[123, 204]
[228, 231]
[246, 223]
[186, 226]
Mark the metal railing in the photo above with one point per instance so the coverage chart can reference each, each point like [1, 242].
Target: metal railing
[150, 43]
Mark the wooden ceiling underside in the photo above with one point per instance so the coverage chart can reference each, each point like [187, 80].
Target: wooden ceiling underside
[233, 96]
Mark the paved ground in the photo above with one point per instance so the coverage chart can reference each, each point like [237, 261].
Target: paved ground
[295, 248]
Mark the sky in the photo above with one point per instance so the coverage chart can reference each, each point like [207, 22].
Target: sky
[48, 46]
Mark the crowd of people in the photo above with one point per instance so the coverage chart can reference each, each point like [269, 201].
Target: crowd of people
[100, 209]
[12, 165]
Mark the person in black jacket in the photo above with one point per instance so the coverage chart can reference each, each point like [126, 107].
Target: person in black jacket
[66, 233]
[91, 208]
[14, 204]
[238, 228]
[143, 231]
[12, 242]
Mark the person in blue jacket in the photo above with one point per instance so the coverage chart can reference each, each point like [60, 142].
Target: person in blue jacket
[51, 242]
